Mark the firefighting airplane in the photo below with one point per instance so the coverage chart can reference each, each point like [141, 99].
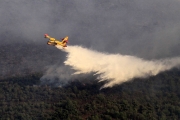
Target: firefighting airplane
[53, 41]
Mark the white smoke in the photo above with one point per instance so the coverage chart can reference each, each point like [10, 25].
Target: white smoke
[114, 68]
[56, 75]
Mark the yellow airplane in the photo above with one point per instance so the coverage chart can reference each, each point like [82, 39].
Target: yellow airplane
[53, 41]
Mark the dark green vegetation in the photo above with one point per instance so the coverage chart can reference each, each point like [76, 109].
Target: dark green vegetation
[141, 99]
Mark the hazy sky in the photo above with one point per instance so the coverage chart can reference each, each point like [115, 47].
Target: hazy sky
[143, 28]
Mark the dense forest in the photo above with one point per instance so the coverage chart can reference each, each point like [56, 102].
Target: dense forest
[24, 97]
[158, 97]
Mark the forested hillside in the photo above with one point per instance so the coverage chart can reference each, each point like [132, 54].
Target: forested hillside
[24, 58]
[22, 97]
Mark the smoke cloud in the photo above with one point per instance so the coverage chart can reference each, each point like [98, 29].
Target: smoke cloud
[148, 29]
[113, 68]
[143, 28]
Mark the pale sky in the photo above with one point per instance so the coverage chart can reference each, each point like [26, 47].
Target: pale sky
[143, 28]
